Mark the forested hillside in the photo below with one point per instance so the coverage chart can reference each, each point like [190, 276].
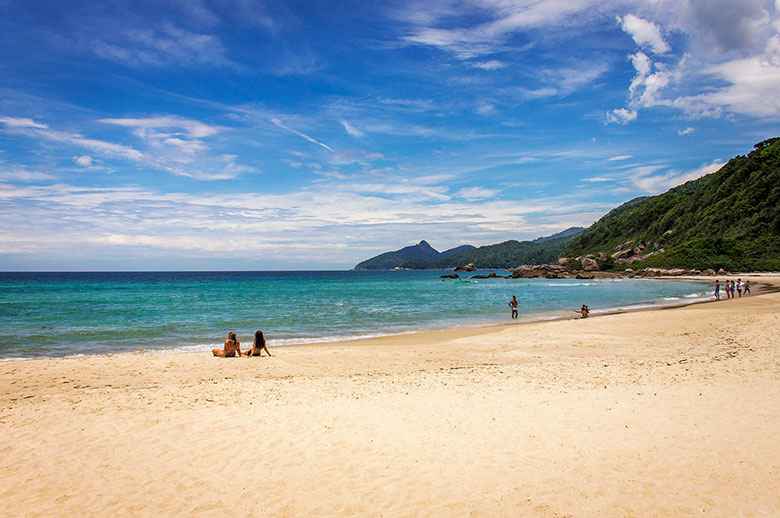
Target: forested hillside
[728, 219]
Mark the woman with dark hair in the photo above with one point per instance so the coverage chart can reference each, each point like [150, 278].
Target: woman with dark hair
[232, 347]
[258, 346]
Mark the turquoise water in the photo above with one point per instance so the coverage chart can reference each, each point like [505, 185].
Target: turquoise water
[58, 314]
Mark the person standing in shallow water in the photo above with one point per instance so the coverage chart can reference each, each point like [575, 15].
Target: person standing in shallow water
[717, 289]
[258, 346]
[232, 347]
[513, 305]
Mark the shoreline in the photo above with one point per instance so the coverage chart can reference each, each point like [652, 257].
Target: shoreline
[550, 316]
[643, 413]
[553, 316]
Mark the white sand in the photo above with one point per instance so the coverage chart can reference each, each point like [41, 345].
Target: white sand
[661, 413]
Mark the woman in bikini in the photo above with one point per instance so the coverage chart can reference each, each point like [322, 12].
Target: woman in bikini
[258, 346]
[232, 347]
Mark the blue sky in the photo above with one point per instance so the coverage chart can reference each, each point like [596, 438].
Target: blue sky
[243, 134]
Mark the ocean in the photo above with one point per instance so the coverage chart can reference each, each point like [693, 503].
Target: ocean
[61, 314]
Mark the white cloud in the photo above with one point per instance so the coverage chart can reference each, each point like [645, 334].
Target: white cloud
[192, 128]
[333, 218]
[175, 152]
[185, 146]
[37, 130]
[686, 131]
[751, 89]
[621, 115]
[645, 179]
[476, 193]
[645, 34]
[83, 161]
[351, 129]
[21, 122]
[619, 157]
[21, 175]
[732, 64]
[503, 18]
[493, 64]
[485, 108]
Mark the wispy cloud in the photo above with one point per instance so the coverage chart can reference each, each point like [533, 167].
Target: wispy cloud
[493, 64]
[280, 124]
[351, 129]
[646, 179]
[38, 130]
[167, 45]
[192, 128]
[174, 152]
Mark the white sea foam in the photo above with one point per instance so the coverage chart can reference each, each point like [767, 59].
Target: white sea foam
[569, 285]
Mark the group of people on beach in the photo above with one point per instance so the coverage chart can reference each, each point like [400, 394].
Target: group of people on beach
[232, 347]
[732, 287]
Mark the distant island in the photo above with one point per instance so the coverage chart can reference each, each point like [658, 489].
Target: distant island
[422, 256]
[727, 220]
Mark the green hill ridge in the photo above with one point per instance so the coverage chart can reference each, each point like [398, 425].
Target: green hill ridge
[728, 219]
[421, 252]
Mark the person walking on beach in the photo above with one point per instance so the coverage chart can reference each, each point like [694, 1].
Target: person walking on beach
[739, 287]
[746, 288]
[513, 305]
[717, 289]
[232, 347]
[258, 346]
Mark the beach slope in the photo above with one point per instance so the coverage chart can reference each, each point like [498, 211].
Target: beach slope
[673, 412]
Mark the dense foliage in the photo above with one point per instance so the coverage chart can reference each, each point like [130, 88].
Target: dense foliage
[729, 219]
[508, 254]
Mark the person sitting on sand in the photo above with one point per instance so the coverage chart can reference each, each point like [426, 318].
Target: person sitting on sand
[232, 347]
[583, 311]
[258, 346]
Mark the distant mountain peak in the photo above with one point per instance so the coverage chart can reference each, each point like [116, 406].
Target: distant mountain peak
[422, 251]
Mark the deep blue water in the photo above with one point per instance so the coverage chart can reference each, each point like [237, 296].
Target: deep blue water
[57, 314]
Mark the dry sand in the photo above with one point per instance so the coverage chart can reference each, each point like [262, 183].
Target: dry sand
[659, 413]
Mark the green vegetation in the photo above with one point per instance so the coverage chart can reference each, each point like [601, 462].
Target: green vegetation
[508, 254]
[728, 219]
[417, 257]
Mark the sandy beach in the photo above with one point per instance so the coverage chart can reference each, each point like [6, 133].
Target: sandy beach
[674, 412]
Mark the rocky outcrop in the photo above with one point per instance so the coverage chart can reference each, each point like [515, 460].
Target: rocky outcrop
[630, 252]
[450, 276]
[468, 268]
[491, 275]
[589, 264]
[550, 271]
